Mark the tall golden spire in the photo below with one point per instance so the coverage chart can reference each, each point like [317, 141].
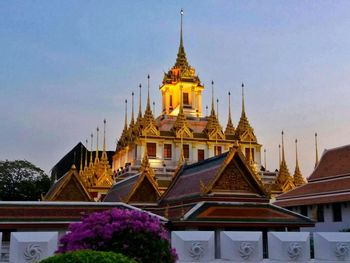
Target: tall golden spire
[138, 123]
[104, 157]
[104, 135]
[297, 177]
[279, 154]
[283, 173]
[140, 109]
[132, 122]
[86, 154]
[316, 149]
[213, 123]
[81, 158]
[181, 60]
[96, 157]
[243, 124]
[126, 115]
[148, 118]
[92, 136]
[230, 129]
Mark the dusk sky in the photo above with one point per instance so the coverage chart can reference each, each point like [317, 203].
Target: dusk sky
[67, 65]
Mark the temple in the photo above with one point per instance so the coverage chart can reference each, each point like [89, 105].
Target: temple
[151, 150]
[182, 130]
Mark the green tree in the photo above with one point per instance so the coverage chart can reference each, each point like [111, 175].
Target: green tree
[21, 180]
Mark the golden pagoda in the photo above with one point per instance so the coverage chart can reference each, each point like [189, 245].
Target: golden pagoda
[181, 132]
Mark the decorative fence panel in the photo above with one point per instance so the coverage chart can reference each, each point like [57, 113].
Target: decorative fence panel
[202, 246]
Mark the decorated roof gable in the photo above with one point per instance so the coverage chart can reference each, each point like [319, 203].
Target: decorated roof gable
[235, 176]
[145, 191]
[68, 188]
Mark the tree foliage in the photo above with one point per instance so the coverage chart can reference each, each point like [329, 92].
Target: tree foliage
[21, 180]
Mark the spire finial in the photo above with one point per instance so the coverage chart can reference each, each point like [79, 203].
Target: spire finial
[217, 107]
[243, 107]
[181, 41]
[265, 160]
[81, 158]
[86, 153]
[92, 137]
[316, 148]
[96, 157]
[229, 106]
[283, 158]
[132, 107]
[148, 99]
[140, 110]
[126, 115]
[154, 107]
[212, 97]
[279, 154]
[104, 135]
[296, 153]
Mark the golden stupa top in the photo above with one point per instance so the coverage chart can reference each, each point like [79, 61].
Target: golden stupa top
[181, 71]
[243, 124]
[283, 175]
[298, 178]
[230, 129]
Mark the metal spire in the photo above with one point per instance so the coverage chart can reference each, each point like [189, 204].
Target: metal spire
[283, 157]
[86, 153]
[104, 135]
[212, 98]
[243, 107]
[81, 157]
[279, 154]
[296, 153]
[132, 108]
[96, 157]
[316, 148]
[140, 110]
[92, 137]
[126, 115]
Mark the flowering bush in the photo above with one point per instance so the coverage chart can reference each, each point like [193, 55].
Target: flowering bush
[86, 256]
[132, 233]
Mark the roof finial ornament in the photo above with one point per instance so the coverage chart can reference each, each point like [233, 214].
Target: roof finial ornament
[230, 130]
[140, 110]
[104, 135]
[132, 109]
[96, 157]
[297, 177]
[181, 41]
[296, 153]
[283, 157]
[126, 115]
[92, 137]
[243, 106]
[279, 154]
[148, 99]
[316, 148]
[212, 98]
[86, 153]
[217, 107]
[81, 158]
[265, 160]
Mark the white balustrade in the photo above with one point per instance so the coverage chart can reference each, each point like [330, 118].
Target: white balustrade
[239, 246]
[289, 246]
[31, 247]
[197, 246]
[331, 246]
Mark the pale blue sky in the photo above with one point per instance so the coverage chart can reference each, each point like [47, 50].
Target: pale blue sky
[67, 65]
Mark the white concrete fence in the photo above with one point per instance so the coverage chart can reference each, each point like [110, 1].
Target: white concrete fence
[207, 246]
